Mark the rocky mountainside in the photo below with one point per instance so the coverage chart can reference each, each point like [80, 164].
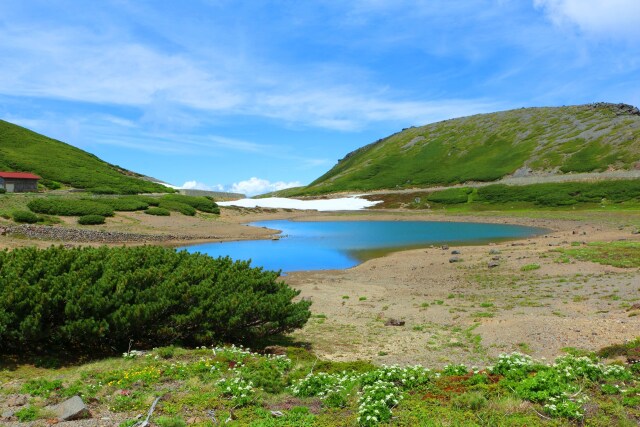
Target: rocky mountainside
[487, 147]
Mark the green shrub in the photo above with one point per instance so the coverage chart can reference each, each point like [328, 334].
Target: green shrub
[183, 208]
[450, 196]
[158, 212]
[98, 299]
[69, 207]
[27, 413]
[51, 185]
[25, 217]
[91, 220]
[2, 191]
[200, 203]
[128, 203]
[166, 421]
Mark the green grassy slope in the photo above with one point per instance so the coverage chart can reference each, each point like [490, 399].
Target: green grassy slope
[487, 147]
[28, 151]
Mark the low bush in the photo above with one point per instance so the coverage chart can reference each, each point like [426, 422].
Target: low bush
[69, 207]
[201, 203]
[25, 217]
[2, 191]
[91, 220]
[183, 208]
[83, 300]
[158, 212]
[450, 196]
[127, 203]
[562, 194]
[51, 185]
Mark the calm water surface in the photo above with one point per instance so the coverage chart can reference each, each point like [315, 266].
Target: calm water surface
[343, 244]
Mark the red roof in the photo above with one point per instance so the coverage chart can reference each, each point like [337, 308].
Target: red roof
[19, 175]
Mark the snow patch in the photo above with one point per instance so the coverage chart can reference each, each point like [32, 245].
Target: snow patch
[343, 204]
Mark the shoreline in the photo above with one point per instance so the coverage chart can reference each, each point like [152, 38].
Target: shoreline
[461, 312]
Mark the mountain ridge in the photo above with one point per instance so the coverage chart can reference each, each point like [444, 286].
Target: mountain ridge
[488, 147]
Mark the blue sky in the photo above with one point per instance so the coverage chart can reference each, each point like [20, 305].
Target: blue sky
[255, 95]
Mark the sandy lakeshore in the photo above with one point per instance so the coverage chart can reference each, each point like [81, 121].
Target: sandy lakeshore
[461, 311]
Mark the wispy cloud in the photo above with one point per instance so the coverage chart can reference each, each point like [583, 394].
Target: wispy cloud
[605, 18]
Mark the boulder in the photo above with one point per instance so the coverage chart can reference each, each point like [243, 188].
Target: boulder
[394, 322]
[445, 247]
[455, 252]
[17, 400]
[72, 409]
[494, 252]
[455, 259]
[493, 264]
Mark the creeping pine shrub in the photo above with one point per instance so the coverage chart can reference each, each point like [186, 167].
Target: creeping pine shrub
[91, 220]
[201, 203]
[183, 208]
[105, 297]
[158, 211]
[127, 203]
[25, 217]
[69, 207]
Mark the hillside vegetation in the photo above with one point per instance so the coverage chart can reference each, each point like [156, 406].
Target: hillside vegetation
[487, 147]
[59, 163]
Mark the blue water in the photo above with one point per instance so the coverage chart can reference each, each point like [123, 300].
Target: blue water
[343, 244]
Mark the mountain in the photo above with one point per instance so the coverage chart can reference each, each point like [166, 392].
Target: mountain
[58, 163]
[487, 147]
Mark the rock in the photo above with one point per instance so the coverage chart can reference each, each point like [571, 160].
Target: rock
[445, 247]
[394, 322]
[455, 252]
[493, 264]
[495, 258]
[17, 400]
[7, 414]
[455, 259]
[494, 252]
[72, 409]
[276, 350]
[636, 231]
[277, 414]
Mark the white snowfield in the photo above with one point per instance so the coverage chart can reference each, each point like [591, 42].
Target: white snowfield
[353, 203]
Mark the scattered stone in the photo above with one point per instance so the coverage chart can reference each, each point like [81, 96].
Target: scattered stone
[394, 322]
[276, 350]
[455, 259]
[636, 231]
[634, 307]
[495, 258]
[17, 400]
[493, 264]
[277, 414]
[494, 252]
[455, 252]
[72, 409]
[7, 414]
[445, 247]
[82, 235]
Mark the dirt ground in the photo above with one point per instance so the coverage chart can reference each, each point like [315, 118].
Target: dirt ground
[461, 311]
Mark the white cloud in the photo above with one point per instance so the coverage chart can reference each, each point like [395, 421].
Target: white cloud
[249, 187]
[253, 186]
[195, 185]
[611, 18]
[179, 90]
